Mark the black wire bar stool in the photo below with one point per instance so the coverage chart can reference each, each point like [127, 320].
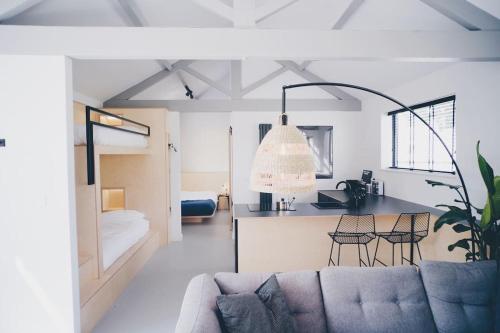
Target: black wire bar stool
[410, 228]
[354, 230]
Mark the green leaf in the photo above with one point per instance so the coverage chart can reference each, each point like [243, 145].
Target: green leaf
[486, 217]
[496, 198]
[463, 243]
[452, 216]
[486, 172]
[435, 183]
[461, 228]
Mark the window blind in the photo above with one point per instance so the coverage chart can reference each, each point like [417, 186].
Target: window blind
[414, 146]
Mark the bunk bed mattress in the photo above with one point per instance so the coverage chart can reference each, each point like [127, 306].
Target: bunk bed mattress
[110, 137]
[119, 236]
[198, 203]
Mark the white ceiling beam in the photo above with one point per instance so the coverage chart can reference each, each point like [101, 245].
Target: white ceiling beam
[311, 77]
[206, 79]
[347, 13]
[342, 19]
[236, 77]
[12, 8]
[229, 105]
[305, 64]
[466, 14]
[202, 93]
[237, 44]
[150, 81]
[217, 7]
[244, 13]
[271, 8]
[264, 80]
[134, 17]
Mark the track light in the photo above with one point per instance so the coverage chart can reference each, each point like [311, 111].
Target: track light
[189, 92]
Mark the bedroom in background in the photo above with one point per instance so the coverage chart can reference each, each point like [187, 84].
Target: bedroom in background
[205, 175]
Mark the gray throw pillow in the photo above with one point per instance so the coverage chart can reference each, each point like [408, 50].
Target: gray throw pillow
[265, 311]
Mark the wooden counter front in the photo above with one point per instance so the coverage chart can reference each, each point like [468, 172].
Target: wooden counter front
[287, 241]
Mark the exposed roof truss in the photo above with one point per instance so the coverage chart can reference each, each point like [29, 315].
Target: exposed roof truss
[466, 14]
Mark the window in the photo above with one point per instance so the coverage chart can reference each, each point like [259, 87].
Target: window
[414, 147]
[319, 139]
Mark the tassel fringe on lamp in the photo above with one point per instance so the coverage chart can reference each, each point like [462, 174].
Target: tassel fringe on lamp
[283, 162]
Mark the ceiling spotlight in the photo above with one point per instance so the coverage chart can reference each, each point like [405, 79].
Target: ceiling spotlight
[189, 92]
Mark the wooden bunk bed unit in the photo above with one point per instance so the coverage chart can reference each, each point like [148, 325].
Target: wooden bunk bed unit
[89, 130]
[143, 173]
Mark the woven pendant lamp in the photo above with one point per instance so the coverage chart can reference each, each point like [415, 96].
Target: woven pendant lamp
[283, 162]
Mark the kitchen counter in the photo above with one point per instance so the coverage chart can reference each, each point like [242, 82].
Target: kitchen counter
[377, 205]
[279, 241]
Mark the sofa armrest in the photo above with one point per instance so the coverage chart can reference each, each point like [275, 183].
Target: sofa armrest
[199, 308]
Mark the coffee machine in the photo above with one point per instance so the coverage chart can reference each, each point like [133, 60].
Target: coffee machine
[355, 189]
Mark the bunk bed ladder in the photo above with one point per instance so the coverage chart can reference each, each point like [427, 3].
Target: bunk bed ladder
[90, 146]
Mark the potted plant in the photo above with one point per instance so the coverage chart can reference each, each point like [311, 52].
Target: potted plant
[482, 240]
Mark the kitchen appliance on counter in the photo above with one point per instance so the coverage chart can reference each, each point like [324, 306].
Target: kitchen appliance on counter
[352, 195]
[332, 199]
[355, 189]
[377, 187]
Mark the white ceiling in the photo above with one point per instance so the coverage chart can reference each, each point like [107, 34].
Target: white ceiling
[104, 79]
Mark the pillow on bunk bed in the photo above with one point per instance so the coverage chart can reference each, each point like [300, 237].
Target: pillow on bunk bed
[122, 215]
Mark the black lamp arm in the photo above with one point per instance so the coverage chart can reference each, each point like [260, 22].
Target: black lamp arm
[453, 161]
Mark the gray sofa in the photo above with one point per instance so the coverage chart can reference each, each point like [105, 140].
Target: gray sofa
[439, 297]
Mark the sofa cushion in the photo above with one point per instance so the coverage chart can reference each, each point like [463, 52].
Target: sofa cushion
[461, 295]
[301, 289]
[273, 298]
[389, 299]
[199, 310]
[263, 311]
[244, 313]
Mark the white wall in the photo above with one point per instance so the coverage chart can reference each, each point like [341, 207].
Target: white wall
[476, 86]
[38, 255]
[175, 226]
[204, 137]
[246, 140]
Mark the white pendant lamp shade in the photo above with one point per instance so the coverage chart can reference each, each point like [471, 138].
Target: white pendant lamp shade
[283, 163]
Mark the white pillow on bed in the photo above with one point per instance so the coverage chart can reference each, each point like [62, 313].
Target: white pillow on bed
[121, 215]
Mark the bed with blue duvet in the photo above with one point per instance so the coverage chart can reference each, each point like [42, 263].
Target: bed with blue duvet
[196, 206]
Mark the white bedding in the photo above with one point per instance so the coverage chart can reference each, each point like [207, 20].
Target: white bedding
[118, 235]
[204, 195]
[110, 137]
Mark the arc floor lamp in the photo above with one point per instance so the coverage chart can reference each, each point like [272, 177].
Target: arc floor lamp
[448, 151]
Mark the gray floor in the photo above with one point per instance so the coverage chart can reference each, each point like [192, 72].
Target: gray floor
[152, 301]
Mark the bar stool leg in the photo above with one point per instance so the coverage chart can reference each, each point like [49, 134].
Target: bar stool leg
[331, 252]
[338, 255]
[359, 254]
[376, 249]
[401, 253]
[418, 248]
[367, 255]
[393, 253]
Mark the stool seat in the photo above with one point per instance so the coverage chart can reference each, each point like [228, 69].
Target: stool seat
[353, 230]
[401, 237]
[410, 228]
[352, 237]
